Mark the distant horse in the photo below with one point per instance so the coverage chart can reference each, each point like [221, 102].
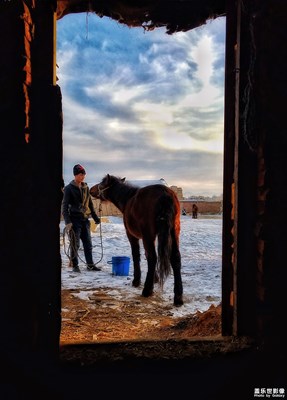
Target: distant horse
[150, 213]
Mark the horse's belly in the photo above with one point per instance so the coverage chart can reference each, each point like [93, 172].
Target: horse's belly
[135, 226]
[134, 231]
[138, 219]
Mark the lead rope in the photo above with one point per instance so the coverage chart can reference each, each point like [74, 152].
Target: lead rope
[101, 235]
[70, 247]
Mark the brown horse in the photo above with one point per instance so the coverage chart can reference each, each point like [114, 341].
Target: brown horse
[150, 213]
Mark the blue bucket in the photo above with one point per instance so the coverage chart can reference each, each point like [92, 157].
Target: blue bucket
[120, 265]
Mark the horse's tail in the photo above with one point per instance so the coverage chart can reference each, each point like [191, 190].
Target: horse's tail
[165, 223]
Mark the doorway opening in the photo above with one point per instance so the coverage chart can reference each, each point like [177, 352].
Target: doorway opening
[146, 106]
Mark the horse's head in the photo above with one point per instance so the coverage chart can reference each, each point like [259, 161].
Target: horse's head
[94, 191]
[100, 190]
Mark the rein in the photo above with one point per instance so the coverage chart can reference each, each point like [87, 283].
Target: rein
[103, 190]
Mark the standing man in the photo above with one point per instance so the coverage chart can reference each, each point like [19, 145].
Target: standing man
[77, 206]
[194, 211]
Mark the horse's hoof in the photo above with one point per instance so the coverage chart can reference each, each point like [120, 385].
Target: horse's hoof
[136, 283]
[178, 301]
[147, 293]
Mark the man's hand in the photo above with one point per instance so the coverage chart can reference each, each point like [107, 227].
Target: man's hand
[69, 227]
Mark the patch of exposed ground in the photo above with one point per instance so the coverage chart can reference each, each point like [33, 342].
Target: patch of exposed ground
[102, 318]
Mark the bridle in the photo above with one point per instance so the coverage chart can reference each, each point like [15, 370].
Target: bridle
[101, 191]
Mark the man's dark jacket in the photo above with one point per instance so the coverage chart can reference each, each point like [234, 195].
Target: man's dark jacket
[77, 203]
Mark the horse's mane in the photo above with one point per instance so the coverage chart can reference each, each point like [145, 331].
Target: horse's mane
[123, 187]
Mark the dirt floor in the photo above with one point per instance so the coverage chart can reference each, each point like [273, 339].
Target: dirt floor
[103, 318]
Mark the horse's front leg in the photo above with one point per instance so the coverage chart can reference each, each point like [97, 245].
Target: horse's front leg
[135, 247]
[151, 264]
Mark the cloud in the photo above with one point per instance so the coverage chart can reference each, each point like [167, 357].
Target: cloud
[145, 105]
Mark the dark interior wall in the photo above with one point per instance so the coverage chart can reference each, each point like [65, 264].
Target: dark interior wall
[30, 280]
[240, 182]
[228, 172]
[269, 123]
[261, 176]
[254, 232]
[246, 154]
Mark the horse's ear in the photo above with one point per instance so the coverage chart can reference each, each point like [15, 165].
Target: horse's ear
[123, 179]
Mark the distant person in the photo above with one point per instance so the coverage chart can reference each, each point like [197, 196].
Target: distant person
[77, 206]
[194, 211]
[183, 212]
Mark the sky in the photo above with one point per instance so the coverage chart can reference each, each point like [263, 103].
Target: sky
[201, 269]
[143, 105]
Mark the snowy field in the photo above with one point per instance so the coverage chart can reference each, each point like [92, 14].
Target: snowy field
[201, 252]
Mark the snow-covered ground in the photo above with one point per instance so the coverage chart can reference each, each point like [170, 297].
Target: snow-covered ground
[201, 252]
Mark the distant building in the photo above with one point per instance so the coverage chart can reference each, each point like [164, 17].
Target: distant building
[178, 191]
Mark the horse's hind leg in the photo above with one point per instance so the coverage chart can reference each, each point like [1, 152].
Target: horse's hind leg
[175, 260]
[151, 262]
[135, 247]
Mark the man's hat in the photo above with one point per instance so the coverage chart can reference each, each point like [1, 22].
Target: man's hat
[78, 169]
